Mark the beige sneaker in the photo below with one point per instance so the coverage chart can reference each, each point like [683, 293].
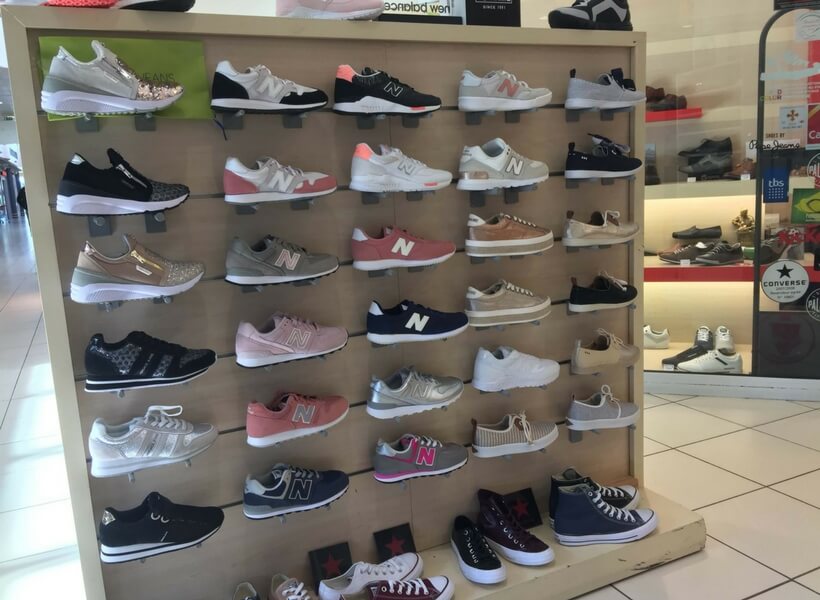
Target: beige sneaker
[514, 434]
[283, 587]
[504, 304]
[607, 350]
[603, 228]
[504, 235]
[137, 274]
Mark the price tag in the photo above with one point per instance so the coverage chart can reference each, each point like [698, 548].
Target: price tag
[746, 177]
[691, 179]
[668, 367]
[686, 263]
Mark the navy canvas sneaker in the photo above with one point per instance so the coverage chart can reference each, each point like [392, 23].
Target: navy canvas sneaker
[583, 517]
[606, 292]
[411, 322]
[286, 489]
[608, 160]
[624, 497]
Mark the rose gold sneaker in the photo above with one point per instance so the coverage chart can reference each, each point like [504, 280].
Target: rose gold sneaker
[505, 235]
[292, 416]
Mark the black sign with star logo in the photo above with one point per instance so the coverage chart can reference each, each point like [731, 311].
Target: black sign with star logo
[394, 541]
[329, 562]
[523, 506]
[785, 272]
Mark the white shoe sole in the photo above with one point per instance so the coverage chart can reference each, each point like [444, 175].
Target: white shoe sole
[103, 471]
[479, 575]
[272, 440]
[610, 538]
[238, 104]
[302, 12]
[406, 411]
[581, 308]
[275, 279]
[375, 106]
[516, 382]
[578, 174]
[521, 448]
[385, 339]
[94, 293]
[123, 554]
[388, 479]
[721, 371]
[602, 423]
[576, 370]
[139, 384]
[286, 511]
[261, 197]
[475, 104]
[527, 559]
[474, 247]
[70, 102]
[397, 263]
[253, 362]
[597, 241]
[587, 103]
[391, 183]
[479, 185]
[84, 204]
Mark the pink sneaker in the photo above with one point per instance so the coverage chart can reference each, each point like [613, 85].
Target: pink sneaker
[397, 248]
[285, 338]
[292, 416]
[330, 9]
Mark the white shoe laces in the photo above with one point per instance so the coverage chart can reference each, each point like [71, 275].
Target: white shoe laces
[163, 417]
[279, 83]
[703, 334]
[416, 587]
[614, 280]
[428, 441]
[613, 339]
[609, 510]
[518, 220]
[515, 79]
[518, 290]
[267, 161]
[525, 425]
[296, 591]
[386, 570]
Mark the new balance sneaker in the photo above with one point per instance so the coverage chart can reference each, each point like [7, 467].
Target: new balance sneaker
[507, 536]
[257, 90]
[655, 340]
[610, 91]
[433, 588]
[608, 160]
[375, 92]
[411, 322]
[337, 10]
[157, 439]
[273, 260]
[514, 434]
[283, 587]
[724, 340]
[605, 292]
[504, 304]
[408, 392]
[118, 190]
[704, 341]
[103, 86]
[285, 338]
[361, 574]
[583, 517]
[506, 368]
[593, 14]
[625, 497]
[505, 235]
[137, 274]
[157, 526]
[272, 182]
[390, 170]
[397, 248]
[607, 350]
[713, 361]
[686, 253]
[603, 228]
[286, 489]
[499, 91]
[413, 456]
[141, 361]
[601, 411]
[155, 5]
[476, 559]
[722, 253]
[291, 416]
[497, 165]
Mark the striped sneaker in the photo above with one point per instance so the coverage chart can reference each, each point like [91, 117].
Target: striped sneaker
[514, 434]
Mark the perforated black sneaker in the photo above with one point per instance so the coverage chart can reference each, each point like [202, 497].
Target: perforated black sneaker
[593, 14]
[376, 92]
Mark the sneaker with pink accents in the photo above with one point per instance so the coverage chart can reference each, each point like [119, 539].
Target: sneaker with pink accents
[416, 456]
[397, 248]
[285, 338]
[341, 10]
[291, 416]
[272, 182]
[393, 171]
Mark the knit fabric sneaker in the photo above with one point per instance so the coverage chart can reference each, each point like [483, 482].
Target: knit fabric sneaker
[593, 14]
[390, 170]
[514, 434]
[375, 92]
[601, 411]
[499, 91]
[273, 260]
[284, 338]
[408, 392]
[605, 292]
[411, 322]
[416, 456]
[257, 90]
[290, 416]
[433, 588]
[397, 248]
[361, 574]
[603, 228]
[476, 559]
[271, 181]
[504, 304]
[506, 535]
[610, 91]
[157, 439]
[607, 350]
[286, 489]
[608, 160]
[497, 165]
[625, 497]
[337, 10]
[505, 235]
[506, 368]
[137, 274]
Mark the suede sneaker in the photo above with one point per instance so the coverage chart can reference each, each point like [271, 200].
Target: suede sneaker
[397, 248]
[290, 416]
[273, 260]
[606, 292]
[416, 456]
[505, 235]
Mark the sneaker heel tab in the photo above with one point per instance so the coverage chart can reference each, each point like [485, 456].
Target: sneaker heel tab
[574, 281]
[345, 72]
[363, 151]
[572, 73]
[570, 214]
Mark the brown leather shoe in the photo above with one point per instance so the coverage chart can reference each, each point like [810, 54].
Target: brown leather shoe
[654, 94]
[745, 167]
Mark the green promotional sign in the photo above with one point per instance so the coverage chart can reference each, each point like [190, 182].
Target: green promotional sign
[153, 60]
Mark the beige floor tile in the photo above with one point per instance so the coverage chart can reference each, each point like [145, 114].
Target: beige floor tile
[691, 482]
[31, 473]
[805, 488]
[607, 593]
[717, 573]
[790, 591]
[672, 397]
[772, 528]
[35, 379]
[808, 404]
[29, 418]
[652, 447]
[675, 425]
[745, 411]
[811, 580]
[756, 456]
[36, 529]
[650, 401]
[803, 429]
[22, 578]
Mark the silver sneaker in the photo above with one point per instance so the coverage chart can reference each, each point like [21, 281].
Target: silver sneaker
[601, 411]
[273, 260]
[514, 434]
[504, 304]
[609, 91]
[497, 165]
[408, 392]
[499, 90]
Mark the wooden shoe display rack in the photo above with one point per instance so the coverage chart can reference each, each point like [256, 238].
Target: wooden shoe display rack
[431, 58]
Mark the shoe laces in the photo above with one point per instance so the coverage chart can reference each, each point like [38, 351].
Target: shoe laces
[163, 417]
[477, 544]
[289, 245]
[518, 290]
[386, 570]
[682, 249]
[515, 79]
[525, 425]
[422, 376]
[518, 220]
[300, 321]
[265, 72]
[608, 509]
[404, 159]
[607, 396]
[606, 147]
[703, 334]
[267, 161]
[296, 591]
[161, 345]
[424, 440]
[613, 339]
[415, 587]
[300, 472]
[614, 280]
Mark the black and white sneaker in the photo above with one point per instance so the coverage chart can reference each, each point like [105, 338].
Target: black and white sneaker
[608, 160]
[118, 190]
[411, 322]
[704, 342]
[376, 92]
[593, 14]
[476, 558]
[157, 526]
[258, 90]
[723, 253]
[606, 292]
[141, 361]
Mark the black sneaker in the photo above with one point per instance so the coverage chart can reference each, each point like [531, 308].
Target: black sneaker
[711, 165]
[707, 146]
[625, 497]
[704, 342]
[376, 92]
[607, 160]
[771, 250]
[696, 233]
[476, 559]
[163, 5]
[593, 14]
[119, 190]
[605, 292]
[690, 253]
[157, 526]
[723, 253]
[141, 361]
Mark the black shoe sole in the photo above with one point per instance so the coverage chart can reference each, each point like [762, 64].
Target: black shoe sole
[164, 5]
[561, 21]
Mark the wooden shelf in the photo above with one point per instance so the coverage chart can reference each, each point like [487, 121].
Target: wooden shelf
[658, 116]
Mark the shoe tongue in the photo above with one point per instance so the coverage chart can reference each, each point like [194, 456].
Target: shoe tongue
[115, 157]
[278, 470]
[369, 71]
[571, 474]
[406, 440]
[157, 502]
[388, 150]
[263, 244]
[286, 585]
[103, 52]
[280, 400]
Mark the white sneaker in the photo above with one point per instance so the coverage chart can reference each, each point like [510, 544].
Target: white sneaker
[655, 340]
[272, 182]
[497, 165]
[259, 90]
[603, 228]
[507, 368]
[357, 577]
[714, 361]
[499, 90]
[724, 340]
[393, 171]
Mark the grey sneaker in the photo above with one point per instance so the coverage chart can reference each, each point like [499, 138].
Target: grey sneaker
[274, 260]
[408, 392]
[497, 165]
[609, 91]
[514, 434]
[504, 304]
[600, 411]
[498, 90]
[416, 456]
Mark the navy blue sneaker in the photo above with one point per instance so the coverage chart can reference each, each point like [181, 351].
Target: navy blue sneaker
[625, 497]
[583, 517]
[411, 322]
[288, 489]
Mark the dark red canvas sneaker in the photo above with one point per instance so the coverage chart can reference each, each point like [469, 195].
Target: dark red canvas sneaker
[507, 536]
[434, 588]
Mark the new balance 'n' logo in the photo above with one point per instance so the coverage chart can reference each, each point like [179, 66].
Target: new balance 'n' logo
[300, 489]
[303, 414]
[281, 180]
[426, 457]
[508, 88]
[299, 338]
[403, 247]
[393, 89]
[515, 165]
[606, 4]
[417, 322]
[288, 259]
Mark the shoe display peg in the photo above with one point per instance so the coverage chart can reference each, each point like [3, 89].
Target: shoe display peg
[369, 198]
[131, 477]
[155, 222]
[252, 289]
[572, 184]
[573, 115]
[412, 121]
[323, 433]
[511, 194]
[505, 393]
[109, 306]
[245, 209]
[145, 122]
[231, 121]
[380, 273]
[305, 282]
[301, 204]
[163, 300]
[87, 123]
[368, 121]
[283, 519]
[418, 196]
[293, 121]
[100, 225]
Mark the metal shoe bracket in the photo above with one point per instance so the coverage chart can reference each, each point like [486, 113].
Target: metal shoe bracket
[119, 393]
[293, 121]
[510, 116]
[109, 306]
[577, 436]
[155, 222]
[304, 204]
[145, 122]
[375, 345]
[245, 209]
[576, 249]
[231, 121]
[412, 121]
[369, 198]
[480, 260]
[504, 327]
[418, 196]
[573, 115]
[163, 300]
[380, 273]
[368, 121]
[502, 392]
[252, 289]
[403, 486]
[87, 123]
[478, 198]
[99, 225]
[572, 184]
[305, 282]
